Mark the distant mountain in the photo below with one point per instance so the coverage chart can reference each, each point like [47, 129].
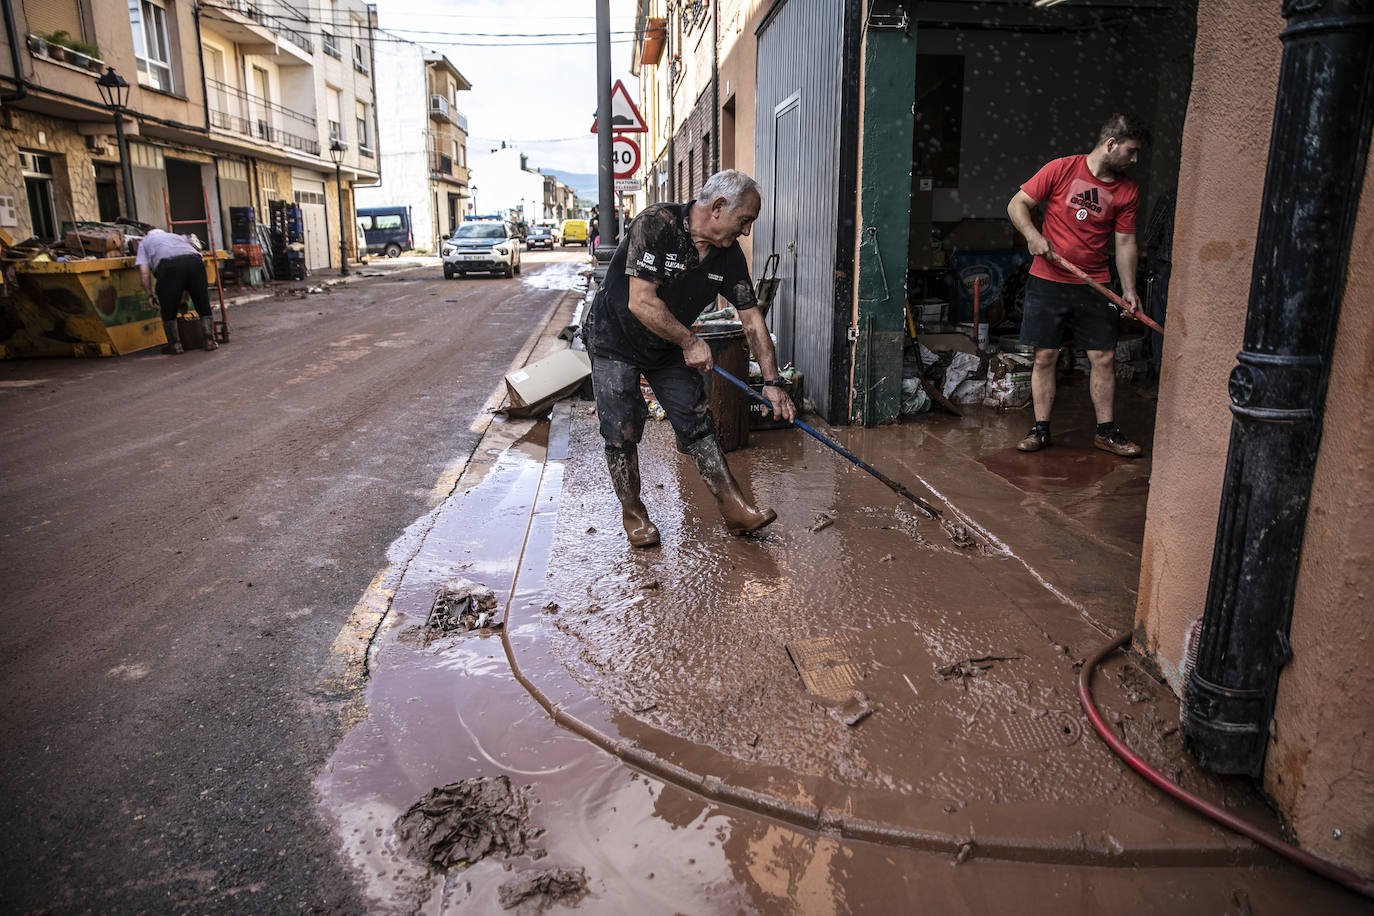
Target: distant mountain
[582, 182]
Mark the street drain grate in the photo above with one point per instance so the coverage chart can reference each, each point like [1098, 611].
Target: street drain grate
[824, 667]
[1025, 734]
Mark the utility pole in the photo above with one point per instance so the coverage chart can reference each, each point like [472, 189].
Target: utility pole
[610, 235]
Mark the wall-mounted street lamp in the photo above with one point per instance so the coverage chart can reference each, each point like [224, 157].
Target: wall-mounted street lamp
[114, 92]
[336, 152]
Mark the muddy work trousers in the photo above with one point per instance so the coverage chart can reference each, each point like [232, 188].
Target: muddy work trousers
[622, 411]
[182, 274]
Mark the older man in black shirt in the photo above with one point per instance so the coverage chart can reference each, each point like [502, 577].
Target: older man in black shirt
[674, 261]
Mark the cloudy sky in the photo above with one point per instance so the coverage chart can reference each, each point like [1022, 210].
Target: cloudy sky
[532, 66]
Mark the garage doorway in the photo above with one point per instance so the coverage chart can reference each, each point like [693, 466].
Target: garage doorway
[186, 198]
[786, 142]
[310, 198]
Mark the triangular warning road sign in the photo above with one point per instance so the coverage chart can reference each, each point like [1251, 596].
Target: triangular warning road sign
[625, 116]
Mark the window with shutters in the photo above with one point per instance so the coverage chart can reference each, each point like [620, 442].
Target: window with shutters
[48, 16]
[152, 46]
[364, 134]
[334, 100]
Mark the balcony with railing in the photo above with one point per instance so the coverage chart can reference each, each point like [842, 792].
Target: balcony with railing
[439, 108]
[277, 16]
[443, 168]
[259, 119]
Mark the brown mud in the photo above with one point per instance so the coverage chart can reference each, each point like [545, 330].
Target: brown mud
[744, 792]
[536, 893]
[464, 822]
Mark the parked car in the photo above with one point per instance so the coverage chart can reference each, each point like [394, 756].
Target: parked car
[539, 237]
[482, 246]
[360, 239]
[387, 230]
[572, 232]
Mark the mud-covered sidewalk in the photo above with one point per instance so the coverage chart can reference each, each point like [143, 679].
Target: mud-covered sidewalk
[825, 718]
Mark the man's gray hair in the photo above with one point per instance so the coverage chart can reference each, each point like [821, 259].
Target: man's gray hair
[732, 184]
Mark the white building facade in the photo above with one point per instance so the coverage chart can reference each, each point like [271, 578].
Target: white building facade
[422, 136]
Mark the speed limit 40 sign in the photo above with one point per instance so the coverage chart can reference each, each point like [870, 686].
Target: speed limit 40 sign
[624, 156]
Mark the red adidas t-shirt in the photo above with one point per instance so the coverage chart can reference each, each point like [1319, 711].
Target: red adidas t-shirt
[1081, 213]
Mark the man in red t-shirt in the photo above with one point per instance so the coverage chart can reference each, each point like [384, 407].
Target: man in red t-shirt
[1088, 202]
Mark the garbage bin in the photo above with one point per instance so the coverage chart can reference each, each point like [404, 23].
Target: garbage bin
[93, 307]
[729, 405]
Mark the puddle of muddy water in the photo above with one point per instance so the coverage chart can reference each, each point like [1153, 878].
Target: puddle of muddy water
[452, 710]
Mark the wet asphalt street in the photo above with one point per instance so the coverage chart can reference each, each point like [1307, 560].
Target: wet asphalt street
[184, 538]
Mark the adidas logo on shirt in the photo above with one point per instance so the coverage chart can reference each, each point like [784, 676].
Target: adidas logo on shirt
[1087, 199]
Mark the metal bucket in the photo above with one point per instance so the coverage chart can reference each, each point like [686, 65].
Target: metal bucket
[729, 405]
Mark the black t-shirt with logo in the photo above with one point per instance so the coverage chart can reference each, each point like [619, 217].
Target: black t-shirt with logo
[658, 248]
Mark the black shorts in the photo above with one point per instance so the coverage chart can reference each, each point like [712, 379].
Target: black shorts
[1051, 308]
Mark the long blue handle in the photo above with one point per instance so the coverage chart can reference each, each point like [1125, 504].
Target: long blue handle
[891, 484]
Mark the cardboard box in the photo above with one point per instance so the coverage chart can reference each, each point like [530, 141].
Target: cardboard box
[95, 239]
[533, 389]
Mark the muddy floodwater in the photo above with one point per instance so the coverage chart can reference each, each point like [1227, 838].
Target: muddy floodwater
[855, 711]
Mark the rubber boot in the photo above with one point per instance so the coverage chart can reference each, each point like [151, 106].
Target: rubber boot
[624, 466]
[740, 517]
[207, 328]
[173, 344]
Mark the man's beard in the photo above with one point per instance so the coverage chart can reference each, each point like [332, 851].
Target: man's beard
[1117, 165]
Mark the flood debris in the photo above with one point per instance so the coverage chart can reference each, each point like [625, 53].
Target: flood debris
[1136, 685]
[823, 520]
[534, 893]
[965, 850]
[461, 606]
[967, 668]
[853, 710]
[959, 535]
[463, 822]
[552, 607]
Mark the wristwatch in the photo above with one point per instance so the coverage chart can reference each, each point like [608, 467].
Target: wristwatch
[778, 382]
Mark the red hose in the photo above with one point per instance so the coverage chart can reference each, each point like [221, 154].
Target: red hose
[1350, 879]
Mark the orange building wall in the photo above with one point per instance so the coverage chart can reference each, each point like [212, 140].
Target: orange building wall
[1321, 759]
[739, 49]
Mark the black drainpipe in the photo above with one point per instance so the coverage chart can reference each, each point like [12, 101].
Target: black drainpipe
[204, 80]
[851, 67]
[12, 33]
[715, 88]
[1322, 122]
[672, 119]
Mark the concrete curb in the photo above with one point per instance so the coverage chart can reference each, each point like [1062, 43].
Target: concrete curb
[351, 654]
